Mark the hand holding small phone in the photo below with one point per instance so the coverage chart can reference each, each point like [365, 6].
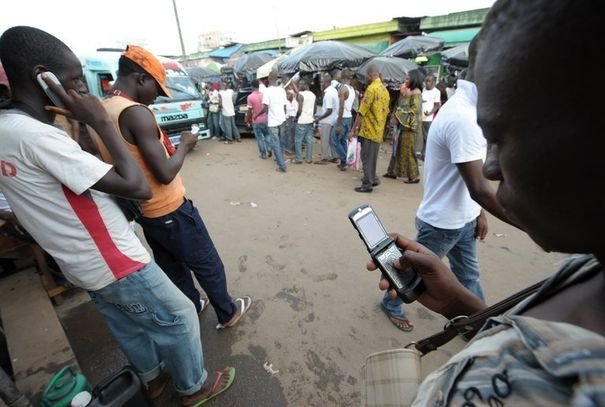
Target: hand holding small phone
[188, 139]
[385, 254]
[77, 104]
[443, 292]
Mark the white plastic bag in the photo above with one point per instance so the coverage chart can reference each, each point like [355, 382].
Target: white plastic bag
[352, 151]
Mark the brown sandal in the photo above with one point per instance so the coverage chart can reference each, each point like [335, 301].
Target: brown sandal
[402, 323]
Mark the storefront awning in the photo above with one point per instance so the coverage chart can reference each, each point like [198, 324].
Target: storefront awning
[456, 37]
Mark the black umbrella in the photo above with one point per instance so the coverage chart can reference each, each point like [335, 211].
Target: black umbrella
[413, 46]
[392, 70]
[247, 64]
[457, 56]
[324, 56]
[200, 74]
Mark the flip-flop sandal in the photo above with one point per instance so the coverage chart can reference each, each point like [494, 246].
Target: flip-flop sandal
[216, 388]
[245, 303]
[400, 322]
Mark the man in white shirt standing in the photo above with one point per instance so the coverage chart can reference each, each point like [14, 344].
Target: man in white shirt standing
[431, 102]
[226, 97]
[344, 120]
[304, 127]
[449, 218]
[290, 126]
[274, 101]
[327, 120]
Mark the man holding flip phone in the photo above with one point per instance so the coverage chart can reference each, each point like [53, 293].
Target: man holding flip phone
[550, 349]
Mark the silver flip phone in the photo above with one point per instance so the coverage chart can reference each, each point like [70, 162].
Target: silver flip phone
[384, 252]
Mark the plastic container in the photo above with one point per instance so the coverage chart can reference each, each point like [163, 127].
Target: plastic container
[123, 389]
[63, 387]
[81, 399]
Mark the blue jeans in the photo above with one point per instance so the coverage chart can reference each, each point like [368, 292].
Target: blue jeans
[277, 143]
[339, 139]
[214, 119]
[230, 128]
[460, 247]
[263, 138]
[289, 134]
[304, 132]
[155, 326]
[181, 244]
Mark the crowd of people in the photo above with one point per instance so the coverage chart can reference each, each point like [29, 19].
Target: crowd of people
[285, 118]
[547, 351]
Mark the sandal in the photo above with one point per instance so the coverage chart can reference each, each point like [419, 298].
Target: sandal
[387, 175]
[242, 304]
[218, 387]
[412, 181]
[400, 321]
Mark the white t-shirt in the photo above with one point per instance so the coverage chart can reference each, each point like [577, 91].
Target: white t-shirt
[46, 177]
[213, 96]
[308, 107]
[227, 108]
[275, 98]
[454, 138]
[330, 101]
[291, 108]
[429, 98]
[346, 111]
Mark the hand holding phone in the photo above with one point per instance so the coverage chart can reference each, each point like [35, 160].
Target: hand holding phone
[384, 253]
[49, 92]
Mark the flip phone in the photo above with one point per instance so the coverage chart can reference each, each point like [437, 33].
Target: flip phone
[384, 252]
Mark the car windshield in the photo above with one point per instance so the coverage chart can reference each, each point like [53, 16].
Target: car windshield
[181, 88]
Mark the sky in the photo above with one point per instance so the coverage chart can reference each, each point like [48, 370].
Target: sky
[86, 25]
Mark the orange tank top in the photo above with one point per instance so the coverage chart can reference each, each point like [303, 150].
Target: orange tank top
[166, 198]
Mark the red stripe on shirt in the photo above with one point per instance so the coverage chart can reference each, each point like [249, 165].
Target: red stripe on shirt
[87, 211]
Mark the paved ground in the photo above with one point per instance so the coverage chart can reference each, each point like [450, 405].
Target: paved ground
[285, 240]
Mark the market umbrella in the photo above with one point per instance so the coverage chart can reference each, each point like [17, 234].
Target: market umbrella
[324, 56]
[264, 70]
[200, 74]
[457, 56]
[247, 64]
[392, 70]
[413, 46]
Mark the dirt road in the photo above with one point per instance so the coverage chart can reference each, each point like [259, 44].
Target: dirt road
[285, 240]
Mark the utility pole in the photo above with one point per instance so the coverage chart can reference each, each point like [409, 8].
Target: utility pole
[178, 25]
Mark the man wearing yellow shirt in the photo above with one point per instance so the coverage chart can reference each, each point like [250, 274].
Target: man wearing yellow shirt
[369, 125]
